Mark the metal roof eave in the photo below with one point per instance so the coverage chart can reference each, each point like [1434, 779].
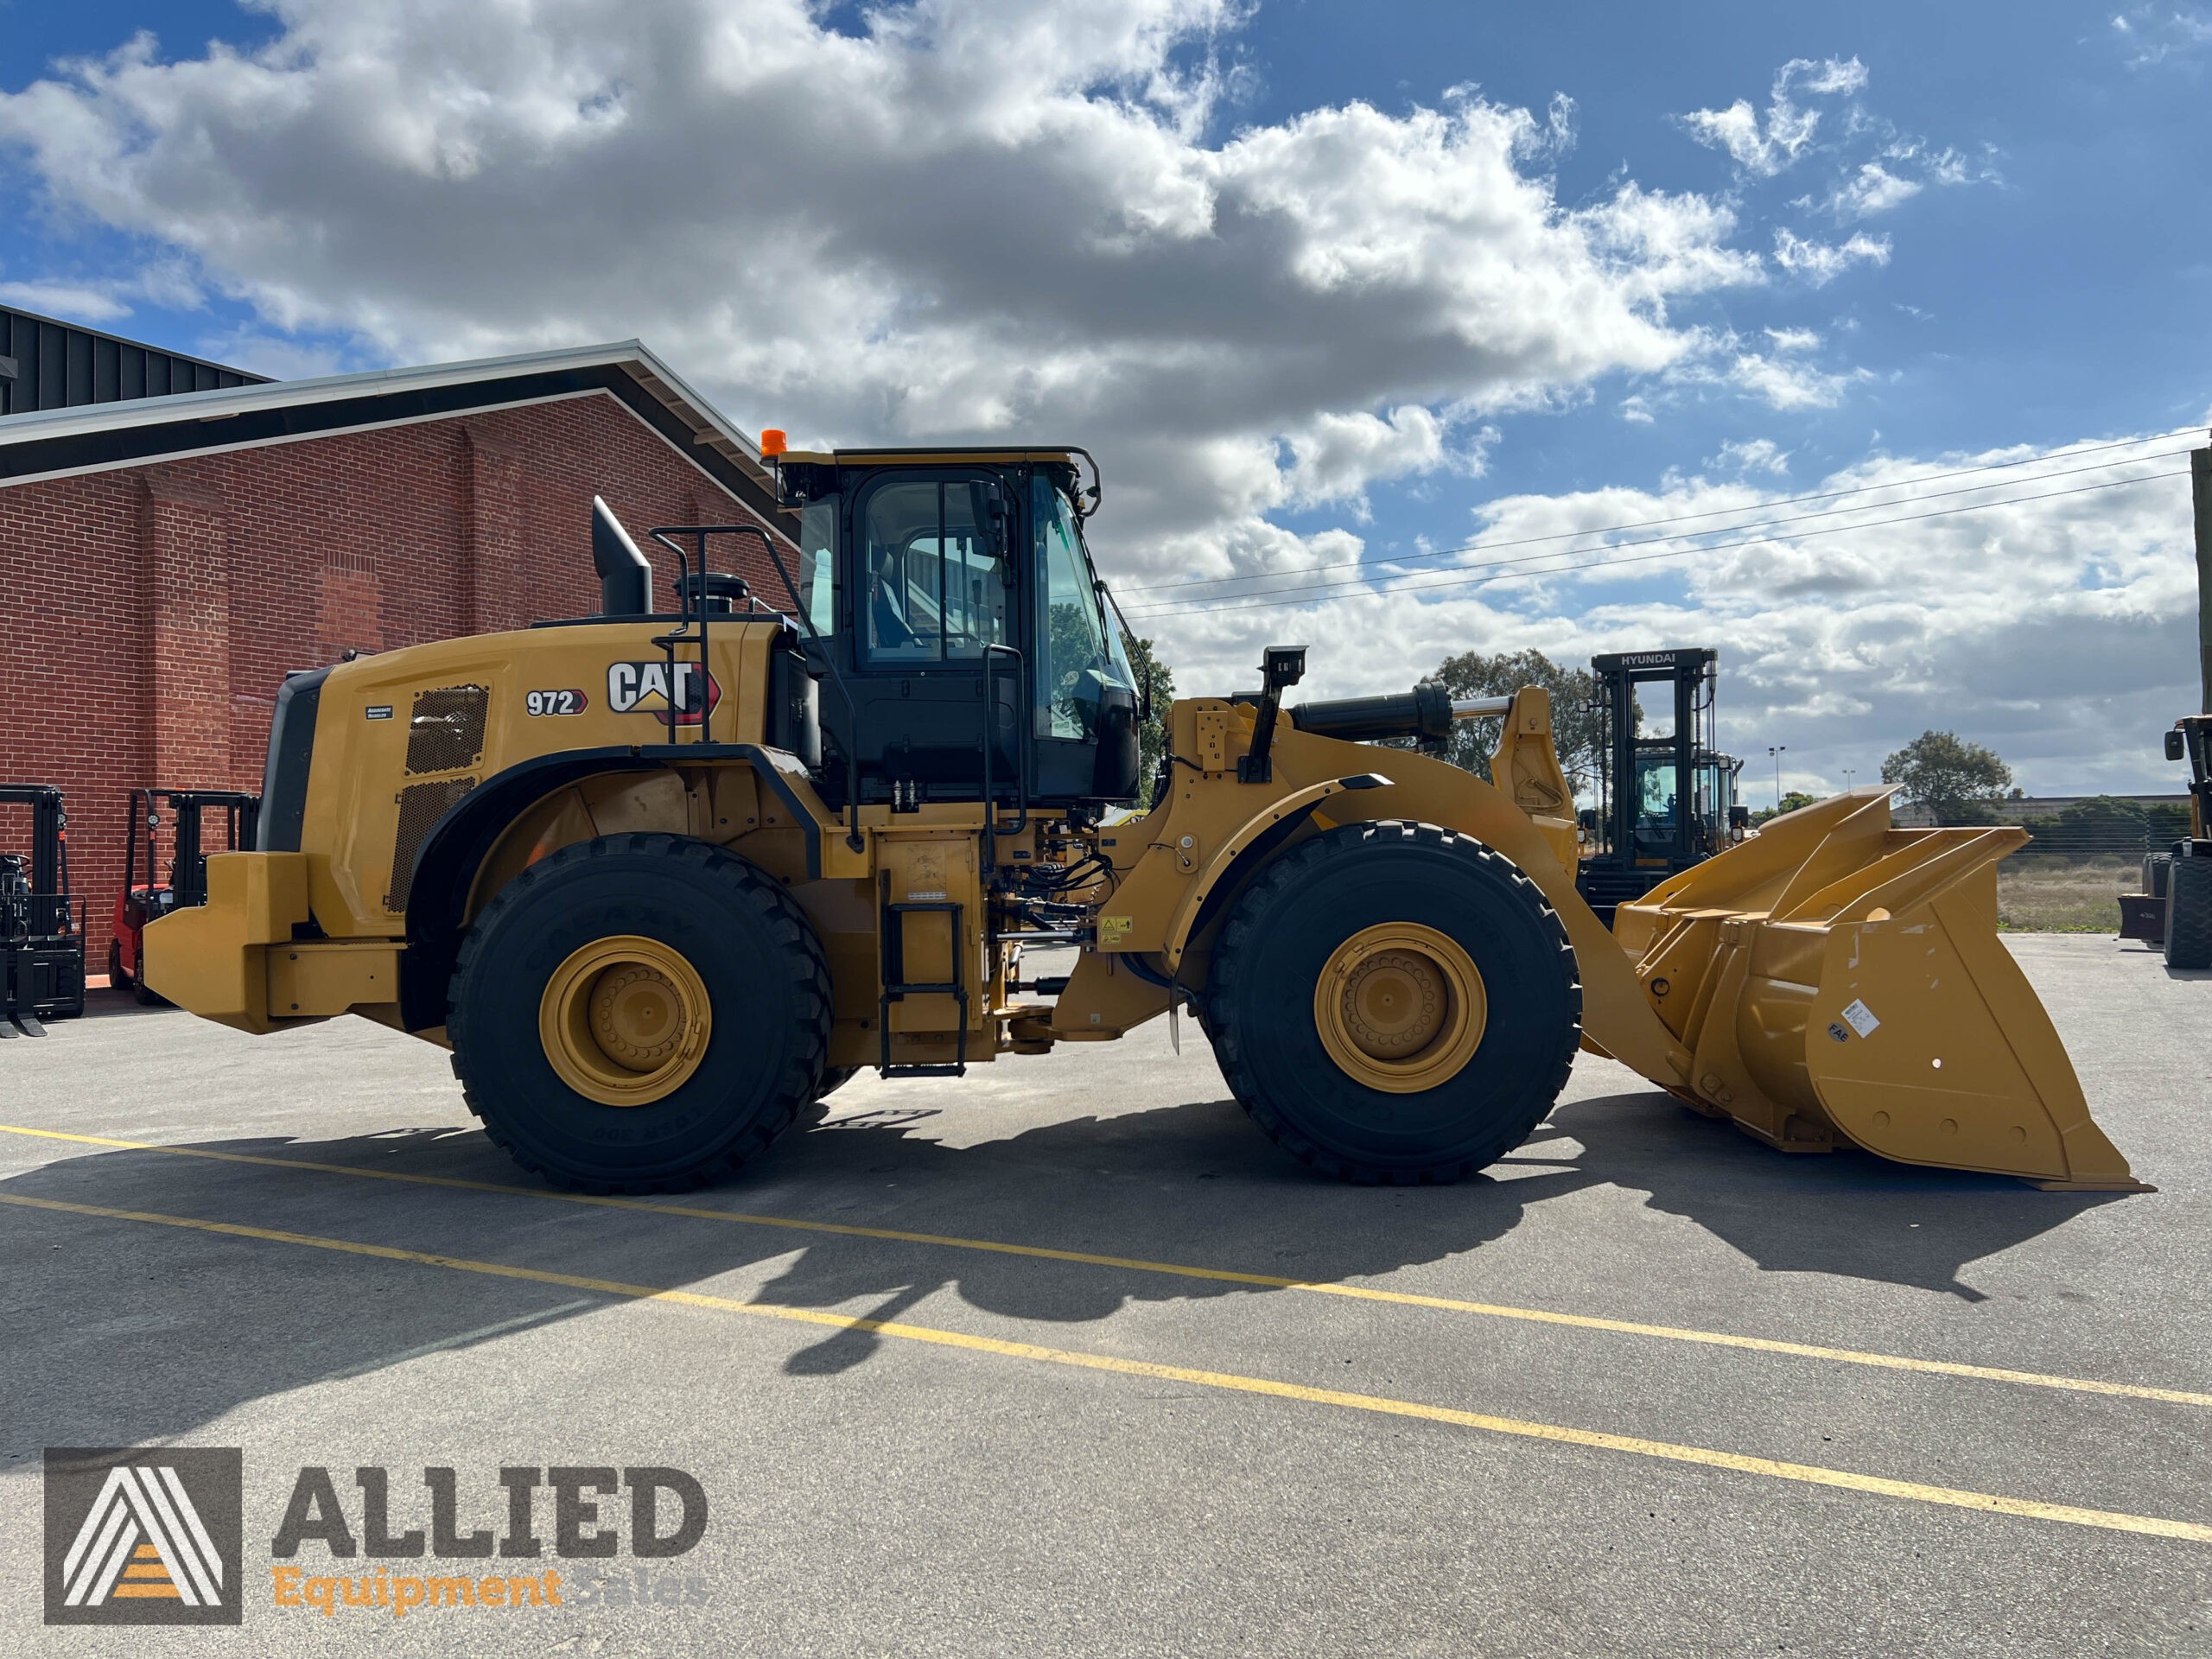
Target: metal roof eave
[710, 428]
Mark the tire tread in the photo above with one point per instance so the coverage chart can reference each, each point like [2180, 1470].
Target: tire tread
[2189, 914]
[796, 942]
[1295, 868]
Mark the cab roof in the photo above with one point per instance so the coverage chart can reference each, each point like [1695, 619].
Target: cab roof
[927, 456]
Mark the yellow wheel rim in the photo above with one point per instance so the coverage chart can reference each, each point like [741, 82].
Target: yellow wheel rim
[1399, 1008]
[624, 1021]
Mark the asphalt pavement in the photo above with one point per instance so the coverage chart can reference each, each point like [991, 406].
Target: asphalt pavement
[1066, 1358]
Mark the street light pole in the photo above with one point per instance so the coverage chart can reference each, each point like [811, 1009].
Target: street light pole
[1775, 752]
[1849, 772]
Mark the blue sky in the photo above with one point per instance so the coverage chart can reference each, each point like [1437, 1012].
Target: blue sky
[2053, 302]
[1323, 283]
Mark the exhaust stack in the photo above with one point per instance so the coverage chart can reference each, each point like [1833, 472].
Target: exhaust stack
[1427, 712]
[625, 575]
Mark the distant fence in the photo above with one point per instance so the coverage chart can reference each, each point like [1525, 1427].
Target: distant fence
[2103, 829]
[2081, 843]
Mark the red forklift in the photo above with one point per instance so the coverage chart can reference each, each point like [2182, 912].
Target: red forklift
[145, 897]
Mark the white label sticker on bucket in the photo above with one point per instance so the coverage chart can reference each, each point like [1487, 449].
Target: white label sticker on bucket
[1861, 1017]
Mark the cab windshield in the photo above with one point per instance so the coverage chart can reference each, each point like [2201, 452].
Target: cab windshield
[1079, 652]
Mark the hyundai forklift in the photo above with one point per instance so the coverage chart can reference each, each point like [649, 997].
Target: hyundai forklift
[1665, 801]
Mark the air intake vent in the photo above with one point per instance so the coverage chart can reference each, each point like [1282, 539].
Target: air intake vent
[421, 806]
[446, 731]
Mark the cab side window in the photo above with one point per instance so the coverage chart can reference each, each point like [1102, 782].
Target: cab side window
[935, 576]
[817, 563]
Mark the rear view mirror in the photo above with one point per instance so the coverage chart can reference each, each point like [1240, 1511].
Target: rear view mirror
[2174, 749]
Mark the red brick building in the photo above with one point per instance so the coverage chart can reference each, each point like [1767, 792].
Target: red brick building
[164, 560]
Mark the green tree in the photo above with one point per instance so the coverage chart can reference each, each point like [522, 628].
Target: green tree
[1154, 733]
[1790, 803]
[1957, 781]
[1578, 727]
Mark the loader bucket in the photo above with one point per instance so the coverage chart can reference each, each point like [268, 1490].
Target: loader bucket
[1837, 980]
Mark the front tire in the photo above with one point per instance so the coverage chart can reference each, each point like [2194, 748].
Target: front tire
[1394, 1001]
[639, 1013]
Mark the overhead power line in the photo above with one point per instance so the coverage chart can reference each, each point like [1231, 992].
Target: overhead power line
[1908, 485]
[1496, 570]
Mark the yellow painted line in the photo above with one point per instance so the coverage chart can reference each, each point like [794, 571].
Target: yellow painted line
[1811, 1474]
[1222, 1276]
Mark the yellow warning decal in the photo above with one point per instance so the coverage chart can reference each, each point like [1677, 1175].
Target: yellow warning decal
[1112, 930]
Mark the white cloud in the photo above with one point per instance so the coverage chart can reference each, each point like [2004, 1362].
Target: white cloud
[1764, 146]
[978, 218]
[80, 301]
[164, 281]
[1877, 165]
[2158, 32]
[1821, 263]
[1874, 189]
[1790, 384]
[973, 218]
[2040, 623]
[1751, 455]
[1828, 76]
[1336, 456]
[275, 356]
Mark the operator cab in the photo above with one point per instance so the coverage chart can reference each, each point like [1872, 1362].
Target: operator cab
[951, 597]
[1659, 826]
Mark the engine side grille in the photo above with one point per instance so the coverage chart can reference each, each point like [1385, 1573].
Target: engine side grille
[446, 730]
[421, 806]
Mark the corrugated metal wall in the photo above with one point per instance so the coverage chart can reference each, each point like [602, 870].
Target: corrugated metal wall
[49, 364]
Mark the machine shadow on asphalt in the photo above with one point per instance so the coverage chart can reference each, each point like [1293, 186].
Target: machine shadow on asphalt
[1850, 1215]
[1847, 1213]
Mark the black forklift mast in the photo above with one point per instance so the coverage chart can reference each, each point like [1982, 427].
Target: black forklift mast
[187, 856]
[49, 869]
[1691, 672]
[42, 924]
[1632, 853]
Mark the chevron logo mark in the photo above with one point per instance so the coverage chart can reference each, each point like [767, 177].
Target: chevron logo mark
[146, 1548]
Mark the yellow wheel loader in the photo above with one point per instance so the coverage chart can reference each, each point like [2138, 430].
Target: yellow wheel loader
[661, 878]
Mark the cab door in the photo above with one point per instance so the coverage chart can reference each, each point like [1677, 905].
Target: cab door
[933, 588]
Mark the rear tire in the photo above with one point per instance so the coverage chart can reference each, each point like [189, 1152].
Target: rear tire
[1292, 928]
[835, 1078]
[118, 980]
[2189, 914]
[746, 1062]
[2155, 868]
